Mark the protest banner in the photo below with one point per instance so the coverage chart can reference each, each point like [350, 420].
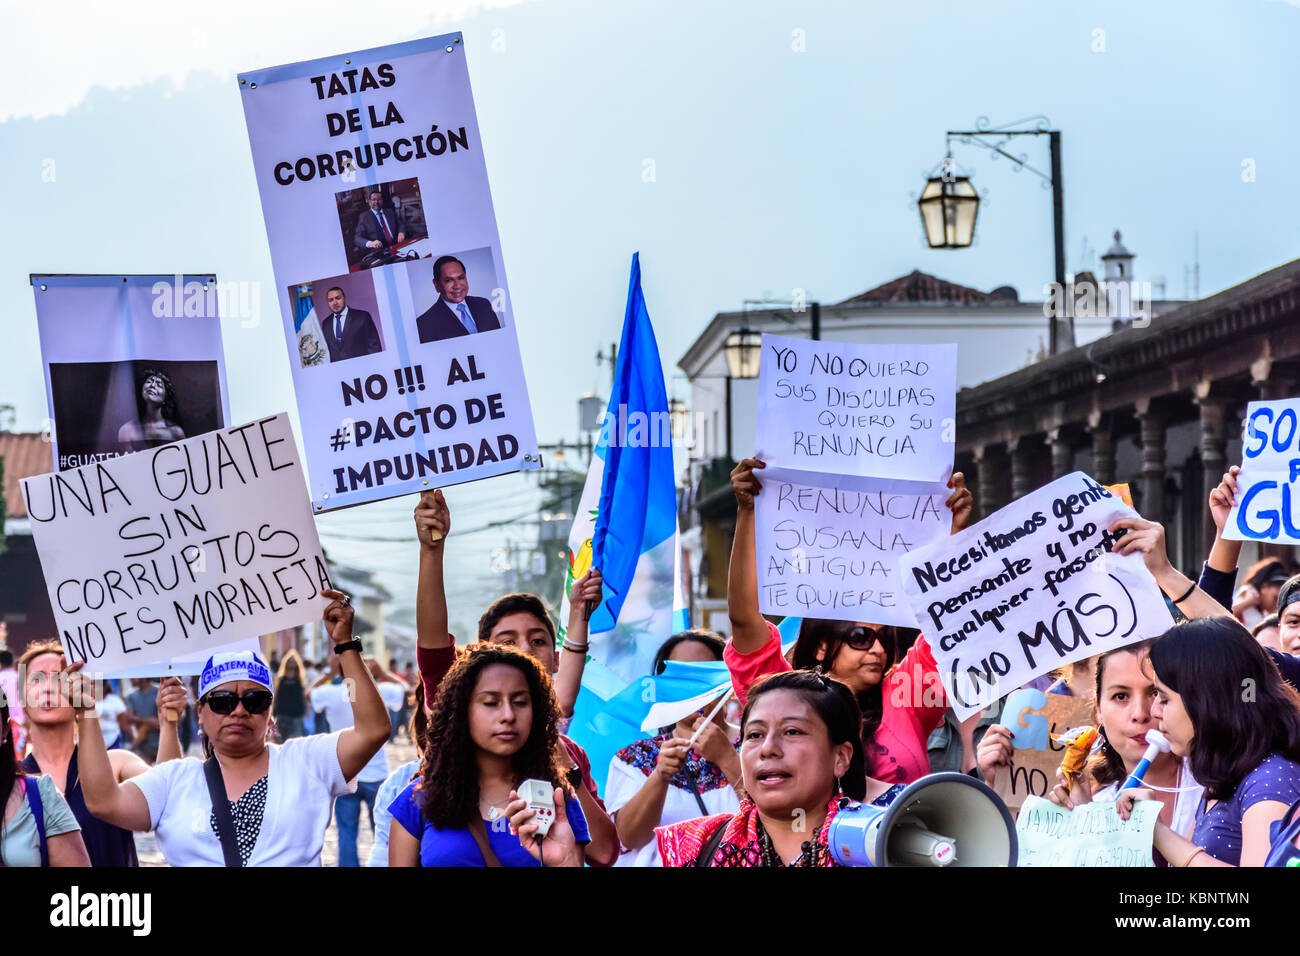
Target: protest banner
[178, 550]
[131, 362]
[828, 545]
[1267, 508]
[883, 411]
[405, 380]
[1092, 834]
[1030, 588]
[1034, 718]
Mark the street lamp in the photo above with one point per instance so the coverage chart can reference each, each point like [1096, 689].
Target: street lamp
[677, 417]
[743, 349]
[941, 213]
[948, 207]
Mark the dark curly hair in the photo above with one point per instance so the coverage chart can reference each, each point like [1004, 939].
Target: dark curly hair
[448, 780]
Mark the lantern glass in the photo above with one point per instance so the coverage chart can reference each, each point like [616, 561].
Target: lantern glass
[677, 417]
[948, 210]
[743, 349]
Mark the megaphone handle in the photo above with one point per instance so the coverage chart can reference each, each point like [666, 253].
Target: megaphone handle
[921, 845]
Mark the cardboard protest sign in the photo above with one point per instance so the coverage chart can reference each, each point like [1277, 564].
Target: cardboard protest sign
[1030, 588]
[132, 362]
[1034, 718]
[181, 549]
[1267, 508]
[828, 545]
[884, 411]
[1092, 834]
[372, 174]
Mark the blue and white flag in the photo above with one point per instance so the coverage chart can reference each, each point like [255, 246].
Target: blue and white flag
[609, 714]
[626, 523]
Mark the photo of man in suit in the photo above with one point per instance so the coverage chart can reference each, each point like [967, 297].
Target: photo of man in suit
[378, 228]
[456, 312]
[348, 333]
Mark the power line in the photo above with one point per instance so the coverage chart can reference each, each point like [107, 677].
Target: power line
[528, 517]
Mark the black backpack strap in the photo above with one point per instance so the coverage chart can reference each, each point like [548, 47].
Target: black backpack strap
[32, 791]
[711, 845]
[221, 808]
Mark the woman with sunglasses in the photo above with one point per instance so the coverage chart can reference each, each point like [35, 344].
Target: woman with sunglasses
[278, 796]
[901, 705]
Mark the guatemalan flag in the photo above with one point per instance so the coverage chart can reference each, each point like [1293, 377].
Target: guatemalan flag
[626, 523]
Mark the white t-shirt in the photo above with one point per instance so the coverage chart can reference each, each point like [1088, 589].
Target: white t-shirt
[107, 712]
[333, 700]
[389, 791]
[303, 778]
[623, 784]
[1186, 801]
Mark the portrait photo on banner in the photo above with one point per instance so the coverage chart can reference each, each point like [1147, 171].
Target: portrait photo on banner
[382, 223]
[456, 293]
[112, 408]
[336, 319]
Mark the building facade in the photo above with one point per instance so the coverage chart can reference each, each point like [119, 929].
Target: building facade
[1158, 407]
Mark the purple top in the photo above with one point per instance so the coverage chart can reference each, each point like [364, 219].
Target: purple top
[1218, 829]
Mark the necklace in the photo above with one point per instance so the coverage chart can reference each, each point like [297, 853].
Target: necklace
[494, 812]
[769, 856]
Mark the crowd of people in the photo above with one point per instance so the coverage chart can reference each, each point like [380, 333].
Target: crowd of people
[855, 711]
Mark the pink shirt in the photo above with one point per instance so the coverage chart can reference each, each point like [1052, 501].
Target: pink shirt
[913, 696]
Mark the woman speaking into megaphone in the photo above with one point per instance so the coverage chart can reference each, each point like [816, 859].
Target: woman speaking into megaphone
[901, 700]
[800, 751]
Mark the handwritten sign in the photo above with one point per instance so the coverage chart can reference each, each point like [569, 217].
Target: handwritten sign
[1033, 717]
[828, 545]
[1267, 508]
[883, 411]
[1030, 588]
[1092, 834]
[177, 550]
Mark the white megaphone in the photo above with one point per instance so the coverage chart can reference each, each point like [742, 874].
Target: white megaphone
[945, 819]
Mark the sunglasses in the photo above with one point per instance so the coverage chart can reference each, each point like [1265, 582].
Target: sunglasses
[224, 702]
[864, 638]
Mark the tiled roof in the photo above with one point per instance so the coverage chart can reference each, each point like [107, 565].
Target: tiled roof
[24, 454]
[918, 286]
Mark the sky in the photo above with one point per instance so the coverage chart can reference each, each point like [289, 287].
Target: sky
[746, 149]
